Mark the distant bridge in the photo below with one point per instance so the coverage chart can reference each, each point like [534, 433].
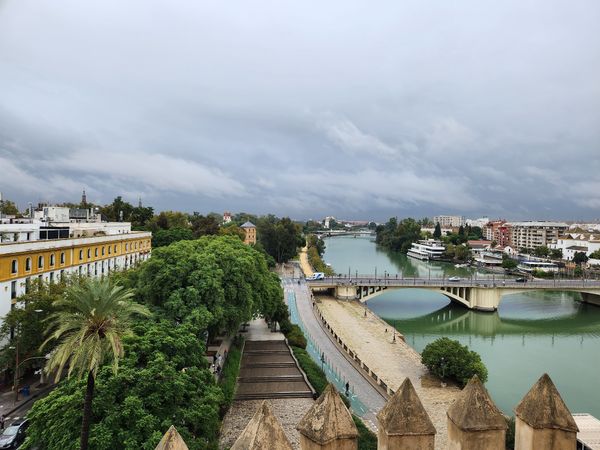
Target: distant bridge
[479, 294]
[331, 233]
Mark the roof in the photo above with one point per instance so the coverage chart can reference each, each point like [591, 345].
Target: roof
[538, 224]
[172, 440]
[328, 419]
[248, 225]
[578, 248]
[474, 410]
[589, 430]
[543, 407]
[263, 432]
[404, 413]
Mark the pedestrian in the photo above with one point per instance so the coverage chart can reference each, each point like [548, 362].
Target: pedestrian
[2, 422]
[347, 388]
[215, 358]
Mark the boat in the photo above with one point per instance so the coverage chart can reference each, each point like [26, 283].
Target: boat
[426, 250]
[458, 266]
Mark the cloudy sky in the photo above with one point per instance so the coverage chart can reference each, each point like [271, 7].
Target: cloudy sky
[305, 108]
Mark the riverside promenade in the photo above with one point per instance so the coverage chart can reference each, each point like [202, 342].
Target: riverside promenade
[392, 362]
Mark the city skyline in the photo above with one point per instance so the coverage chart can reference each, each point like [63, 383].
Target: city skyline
[305, 111]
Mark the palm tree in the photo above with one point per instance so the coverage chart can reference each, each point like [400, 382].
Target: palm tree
[92, 319]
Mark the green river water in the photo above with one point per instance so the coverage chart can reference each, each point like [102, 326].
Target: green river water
[530, 333]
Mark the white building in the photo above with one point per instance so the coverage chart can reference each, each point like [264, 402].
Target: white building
[481, 222]
[572, 243]
[427, 249]
[449, 221]
[24, 261]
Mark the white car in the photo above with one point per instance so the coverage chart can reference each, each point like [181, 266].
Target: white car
[454, 279]
[316, 276]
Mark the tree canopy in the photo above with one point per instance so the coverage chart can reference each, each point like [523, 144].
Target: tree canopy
[398, 235]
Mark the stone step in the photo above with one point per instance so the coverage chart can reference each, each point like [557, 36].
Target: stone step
[261, 396]
[271, 378]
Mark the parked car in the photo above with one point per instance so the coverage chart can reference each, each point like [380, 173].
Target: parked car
[316, 276]
[13, 436]
[454, 279]
[521, 280]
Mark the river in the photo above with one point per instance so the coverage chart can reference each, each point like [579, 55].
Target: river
[530, 334]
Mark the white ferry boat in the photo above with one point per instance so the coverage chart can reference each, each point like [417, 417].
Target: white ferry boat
[530, 266]
[426, 250]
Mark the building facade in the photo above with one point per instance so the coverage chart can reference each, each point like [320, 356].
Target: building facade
[499, 231]
[23, 262]
[250, 230]
[449, 221]
[535, 234]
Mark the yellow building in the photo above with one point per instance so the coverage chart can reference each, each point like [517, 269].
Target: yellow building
[250, 230]
[49, 260]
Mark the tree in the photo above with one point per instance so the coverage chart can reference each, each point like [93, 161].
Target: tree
[556, 253]
[279, 237]
[169, 219]
[232, 229]
[447, 358]
[437, 233]
[140, 216]
[117, 209]
[580, 258]
[9, 208]
[461, 231]
[508, 263]
[163, 238]
[204, 225]
[594, 255]
[89, 326]
[398, 236]
[542, 251]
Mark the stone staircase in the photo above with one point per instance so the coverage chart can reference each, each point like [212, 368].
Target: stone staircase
[268, 371]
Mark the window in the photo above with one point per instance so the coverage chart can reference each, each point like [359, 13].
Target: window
[27, 285]
[28, 264]
[14, 266]
[126, 247]
[13, 290]
[80, 255]
[102, 251]
[51, 277]
[109, 248]
[115, 249]
[89, 253]
[62, 258]
[62, 274]
[52, 260]
[96, 252]
[40, 262]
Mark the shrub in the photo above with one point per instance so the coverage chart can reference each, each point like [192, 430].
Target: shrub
[447, 358]
[231, 370]
[295, 337]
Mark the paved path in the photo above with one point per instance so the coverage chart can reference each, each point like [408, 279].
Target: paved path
[368, 395]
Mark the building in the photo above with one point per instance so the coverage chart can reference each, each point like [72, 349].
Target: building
[48, 260]
[449, 221]
[226, 217]
[250, 230]
[481, 222]
[499, 231]
[572, 243]
[327, 221]
[535, 234]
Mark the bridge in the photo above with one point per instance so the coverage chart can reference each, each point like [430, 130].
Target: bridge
[331, 233]
[479, 294]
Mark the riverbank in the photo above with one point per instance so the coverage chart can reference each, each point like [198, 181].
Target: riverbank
[304, 264]
[371, 339]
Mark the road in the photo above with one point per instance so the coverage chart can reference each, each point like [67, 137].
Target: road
[367, 395]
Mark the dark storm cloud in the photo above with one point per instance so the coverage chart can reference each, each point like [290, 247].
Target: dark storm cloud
[304, 108]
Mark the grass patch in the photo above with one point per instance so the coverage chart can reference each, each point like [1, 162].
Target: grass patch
[366, 439]
[231, 370]
[315, 375]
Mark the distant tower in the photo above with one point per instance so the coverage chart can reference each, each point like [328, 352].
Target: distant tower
[83, 198]
[139, 202]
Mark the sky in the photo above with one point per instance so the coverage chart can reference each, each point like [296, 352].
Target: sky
[357, 109]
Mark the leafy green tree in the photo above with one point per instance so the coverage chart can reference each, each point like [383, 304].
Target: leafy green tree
[475, 233]
[89, 326]
[204, 225]
[461, 231]
[216, 275]
[169, 219]
[232, 229]
[542, 251]
[9, 208]
[447, 358]
[26, 321]
[593, 255]
[580, 258]
[398, 236]
[140, 216]
[279, 237]
[556, 253]
[508, 263]
[112, 212]
[162, 238]
[437, 233]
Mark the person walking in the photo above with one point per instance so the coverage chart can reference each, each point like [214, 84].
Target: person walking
[347, 389]
[2, 420]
